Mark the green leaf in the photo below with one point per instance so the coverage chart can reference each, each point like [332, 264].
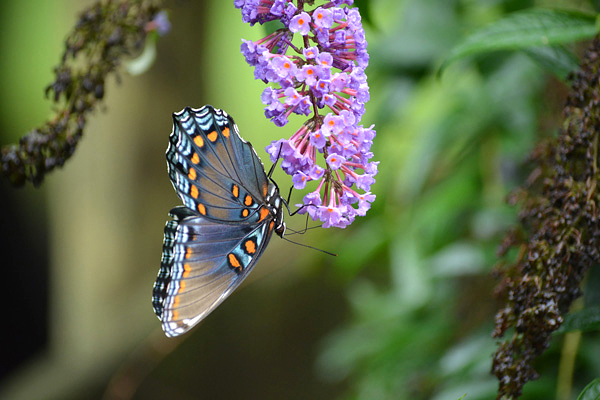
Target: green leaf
[587, 319]
[591, 391]
[271, 26]
[525, 29]
[591, 294]
[557, 59]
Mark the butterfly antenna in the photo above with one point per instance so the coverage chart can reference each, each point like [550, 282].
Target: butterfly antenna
[310, 247]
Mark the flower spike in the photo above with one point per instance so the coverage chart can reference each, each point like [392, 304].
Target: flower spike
[323, 79]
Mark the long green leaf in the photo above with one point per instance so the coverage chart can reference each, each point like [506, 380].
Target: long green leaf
[525, 29]
[591, 391]
[587, 319]
[557, 59]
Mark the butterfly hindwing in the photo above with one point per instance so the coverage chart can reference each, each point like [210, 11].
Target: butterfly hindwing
[202, 263]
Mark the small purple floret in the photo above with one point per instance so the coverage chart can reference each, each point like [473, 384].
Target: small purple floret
[161, 23]
[300, 24]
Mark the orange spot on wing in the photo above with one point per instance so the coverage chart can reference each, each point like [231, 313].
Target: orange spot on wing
[250, 246]
[199, 141]
[226, 132]
[176, 301]
[192, 174]
[201, 209]
[235, 191]
[233, 261]
[263, 213]
[181, 286]
[265, 189]
[245, 212]
[212, 136]
[271, 225]
[195, 158]
[248, 200]
[188, 252]
[186, 270]
[175, 315]
[194, 192]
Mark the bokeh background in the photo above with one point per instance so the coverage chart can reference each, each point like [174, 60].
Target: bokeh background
[406, 309]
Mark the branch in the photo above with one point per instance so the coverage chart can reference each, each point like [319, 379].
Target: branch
[105, 33]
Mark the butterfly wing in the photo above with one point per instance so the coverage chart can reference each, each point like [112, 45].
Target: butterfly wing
[203, 262]
[213, 242]
[214, 171]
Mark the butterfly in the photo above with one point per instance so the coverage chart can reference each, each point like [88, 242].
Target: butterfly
[231, 208]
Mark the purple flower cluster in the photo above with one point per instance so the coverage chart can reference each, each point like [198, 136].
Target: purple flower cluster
[326, 73]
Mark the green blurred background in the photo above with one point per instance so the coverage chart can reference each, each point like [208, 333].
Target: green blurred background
[406, 309]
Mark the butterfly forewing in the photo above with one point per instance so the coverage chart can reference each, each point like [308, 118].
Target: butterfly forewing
[231, 210]
[213, 170]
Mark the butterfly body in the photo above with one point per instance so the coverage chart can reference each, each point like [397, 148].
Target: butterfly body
[231, 209]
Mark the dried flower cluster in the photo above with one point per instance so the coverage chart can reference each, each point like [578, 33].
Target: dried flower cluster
[105, 33]
[559, 237]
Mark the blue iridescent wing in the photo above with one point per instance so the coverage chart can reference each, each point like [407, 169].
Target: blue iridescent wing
[214, 171]
[203, 262]
[213, 242]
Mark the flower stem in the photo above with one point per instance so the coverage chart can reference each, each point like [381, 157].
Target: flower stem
[566, 367]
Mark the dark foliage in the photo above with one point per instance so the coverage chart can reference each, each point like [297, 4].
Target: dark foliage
[559, 236]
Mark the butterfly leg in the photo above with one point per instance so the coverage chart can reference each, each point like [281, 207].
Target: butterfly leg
[275, 163]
